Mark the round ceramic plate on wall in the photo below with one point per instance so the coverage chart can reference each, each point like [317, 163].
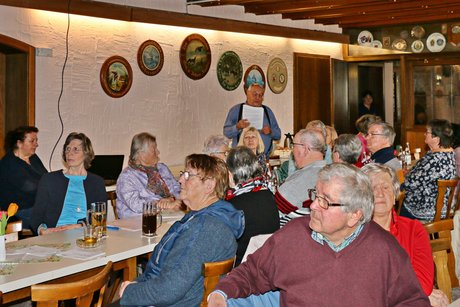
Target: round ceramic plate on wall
[417, 32]
[436, 42]
[376, 43]
[277, 75]
[195, 56]
[254, 75]
[399, 44]
[417, 46]
[365, 38]
[229, 70]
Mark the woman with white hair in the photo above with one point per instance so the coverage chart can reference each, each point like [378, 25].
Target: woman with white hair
[216, 146]
[251, 194]
[145, 179]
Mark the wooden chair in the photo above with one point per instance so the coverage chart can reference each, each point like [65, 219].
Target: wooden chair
[15, 226]
[212, 271]
[443, 256]
[112, 196]
[82, 290]
[442, 189]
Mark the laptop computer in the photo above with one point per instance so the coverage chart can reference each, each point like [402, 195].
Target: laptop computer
[108, 167]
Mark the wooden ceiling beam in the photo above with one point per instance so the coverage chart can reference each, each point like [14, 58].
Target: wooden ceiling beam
[388, 15]
[370, 9]
[396, 21]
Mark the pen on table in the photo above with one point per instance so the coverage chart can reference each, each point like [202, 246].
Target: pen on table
[113, 228]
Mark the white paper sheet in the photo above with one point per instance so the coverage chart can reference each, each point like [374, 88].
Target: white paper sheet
[82, 254]
[255, 115]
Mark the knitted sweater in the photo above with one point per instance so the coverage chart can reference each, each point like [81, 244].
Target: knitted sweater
[372, 271]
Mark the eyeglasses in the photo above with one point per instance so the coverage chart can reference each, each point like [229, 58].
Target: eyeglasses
[373, 134]
[73, 150]
[322, 201]
[187, 175]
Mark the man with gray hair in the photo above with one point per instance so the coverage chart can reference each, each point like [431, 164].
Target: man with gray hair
[216, 146]
[380, 137]
[292, 198]
[347, 148]
[336, 256]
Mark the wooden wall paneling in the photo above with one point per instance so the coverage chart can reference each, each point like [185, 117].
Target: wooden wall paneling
[16, 107]
[312, 89]
[2, 102]
[370, 77]
[353, 96]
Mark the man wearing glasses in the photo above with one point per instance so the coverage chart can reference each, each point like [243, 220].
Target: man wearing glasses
[380, 137]
[292, 198]
[337, 256]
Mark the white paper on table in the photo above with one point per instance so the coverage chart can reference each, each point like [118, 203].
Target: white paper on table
[35, 250]
[133, 223]
[82, 254]
[255, 116]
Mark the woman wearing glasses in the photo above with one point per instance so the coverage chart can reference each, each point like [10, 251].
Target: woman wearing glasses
[145, 179]
[63, 196]
[420, 184]
[207, 233]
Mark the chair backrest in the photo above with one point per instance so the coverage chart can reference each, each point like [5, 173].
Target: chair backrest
[82, 290]
[440, 240]
[442, 189]
[112, 196]
[212, 271]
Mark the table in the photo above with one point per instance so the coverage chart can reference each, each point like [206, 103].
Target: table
[121, 247]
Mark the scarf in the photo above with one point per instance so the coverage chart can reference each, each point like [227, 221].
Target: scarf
[155, 183]
[252, 185]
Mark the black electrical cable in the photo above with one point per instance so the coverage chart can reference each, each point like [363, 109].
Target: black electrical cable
[62, 84]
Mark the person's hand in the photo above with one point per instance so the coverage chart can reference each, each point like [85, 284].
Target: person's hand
[59, 228]
[123, 287]
[216, 300]
[266, 130]
[438, 298]
[169, 203]
[243, 123]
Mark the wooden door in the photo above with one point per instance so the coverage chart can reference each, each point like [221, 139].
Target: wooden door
[312, 89]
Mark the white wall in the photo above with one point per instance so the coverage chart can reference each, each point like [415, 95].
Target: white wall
[181, 112]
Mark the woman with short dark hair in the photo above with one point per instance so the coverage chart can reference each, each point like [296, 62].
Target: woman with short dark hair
[251, 194]
[64, 196]
[420, 184]
[20, 171]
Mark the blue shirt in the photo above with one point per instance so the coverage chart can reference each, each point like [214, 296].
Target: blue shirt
[74, 203]
[336, 248]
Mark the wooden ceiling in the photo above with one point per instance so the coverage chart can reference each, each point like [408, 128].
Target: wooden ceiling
[351, 13]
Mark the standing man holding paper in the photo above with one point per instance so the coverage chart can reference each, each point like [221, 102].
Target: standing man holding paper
[253, 113]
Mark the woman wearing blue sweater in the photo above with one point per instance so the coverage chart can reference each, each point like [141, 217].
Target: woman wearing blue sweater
[207, 233]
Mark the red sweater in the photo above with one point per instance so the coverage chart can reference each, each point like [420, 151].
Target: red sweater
[372, 271]
[414, 239]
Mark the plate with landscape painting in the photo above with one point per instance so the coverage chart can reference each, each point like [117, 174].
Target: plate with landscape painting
[229, 70]
[195, 56]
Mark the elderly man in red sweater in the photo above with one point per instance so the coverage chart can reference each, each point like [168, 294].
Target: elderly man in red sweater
[336, 256]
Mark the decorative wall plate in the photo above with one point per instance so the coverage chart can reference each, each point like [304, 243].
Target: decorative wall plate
[436, 42]
[150, 57]
[365, 38]
[254, 74]
[116, 76]
[376, 43]
[399, 44]
[195, 56]
[417, 32]
[417, 46]
[229, 70]
[277, 75]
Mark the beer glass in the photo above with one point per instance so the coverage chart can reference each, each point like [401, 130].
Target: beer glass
[97, 216]
[150, 216]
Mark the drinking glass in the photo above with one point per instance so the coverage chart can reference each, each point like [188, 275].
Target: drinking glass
[97, 216]
[91, 235]
[150, 216]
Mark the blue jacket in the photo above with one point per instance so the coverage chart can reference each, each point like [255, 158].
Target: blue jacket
[173, 274]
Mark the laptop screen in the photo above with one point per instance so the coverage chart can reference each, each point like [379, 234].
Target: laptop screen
[108, 167]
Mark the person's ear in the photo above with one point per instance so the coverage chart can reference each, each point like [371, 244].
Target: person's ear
[354, 218]
[210, 185]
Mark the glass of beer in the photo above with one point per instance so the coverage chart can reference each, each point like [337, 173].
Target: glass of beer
[150, 216]
[97, 216]
[91, 235]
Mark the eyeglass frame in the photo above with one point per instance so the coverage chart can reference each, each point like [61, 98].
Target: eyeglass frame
[313, 195]
[374, 134]
[74, 150]
[187, 175]
[225, 153]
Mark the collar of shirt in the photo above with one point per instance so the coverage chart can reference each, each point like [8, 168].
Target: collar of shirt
[321, 239]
